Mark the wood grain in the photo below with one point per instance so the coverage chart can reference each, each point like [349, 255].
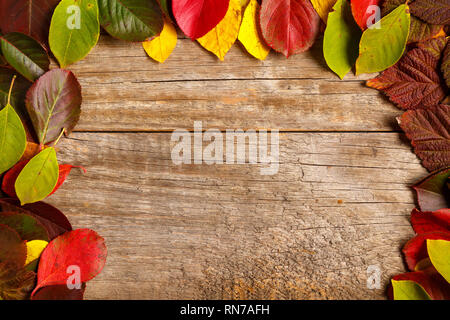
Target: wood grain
[339, 204]
[124, 90]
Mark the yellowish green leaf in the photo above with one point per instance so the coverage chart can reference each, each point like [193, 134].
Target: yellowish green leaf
[439, 252]
[409, 290]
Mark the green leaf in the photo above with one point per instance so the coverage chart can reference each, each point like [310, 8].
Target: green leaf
[340, 44]
[131, 20]
[13, 139]
[25, 55]
[54, 104]
[383, 44]
[39, 177]
[74, 30]
[408, 290]
[439, 252]
[27, 226]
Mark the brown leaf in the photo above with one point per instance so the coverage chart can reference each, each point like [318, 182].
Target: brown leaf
[445, 67]
[429, 132]
[414, 81]
[15, 284]
[432, 11]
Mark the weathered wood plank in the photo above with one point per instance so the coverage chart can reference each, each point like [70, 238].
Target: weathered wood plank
[124, 90]
[339, 203]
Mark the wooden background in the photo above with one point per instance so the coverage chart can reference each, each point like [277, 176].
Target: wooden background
[339, 204]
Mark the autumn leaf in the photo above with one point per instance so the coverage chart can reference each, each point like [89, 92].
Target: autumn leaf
[34, 251]
[415, 250]
[289, 26]
[160, 47]
[222, 37]
[445, 67]
[341, 40]
[250, 33]
[12, 138]
[409, 290]
[30, 17]
[434, 285]
[12, 248]
[434, 46]
[439, 252]
[432, 11]
[323, 8]
[425, 222]
[428, 130]
[198, 17]
[18, 93]
[74, 32]
[384, 44]
[413, 82]
[64, 170]
[131, 20]
[83, 248]
[28, 227]
[433, 192]
[54, 221]
[59, 292]
[419, 30]
[25, 55]
[15, 283]
[38, 178]
[365, 10]
[54, 104]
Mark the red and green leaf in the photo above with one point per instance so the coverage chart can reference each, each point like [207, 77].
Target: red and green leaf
[289, 26]
[434, 285]
[83, 248]
[429, 132]
[28, 227]
[197, 17]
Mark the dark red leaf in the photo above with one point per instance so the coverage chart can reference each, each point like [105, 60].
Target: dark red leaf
[27, 226]
[15, 283]
[428, 130]
[425, 222]
[83, 248]
[415, 250]
[432, 192]
[54, 221]
[289, 26]
[12, 247]
[413, 82]
[432, 11]
[445, 67]
[197, 17]
[59, 292]
[31, 17]
[361, 11]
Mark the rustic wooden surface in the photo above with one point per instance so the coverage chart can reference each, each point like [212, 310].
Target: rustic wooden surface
[339, 204]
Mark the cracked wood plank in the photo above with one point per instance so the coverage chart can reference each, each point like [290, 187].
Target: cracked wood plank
[339, 203]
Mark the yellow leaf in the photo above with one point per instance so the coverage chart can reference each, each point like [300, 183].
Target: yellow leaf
[323, 7]
[34, 250]
[220, 39]
[243, 3]
[249, 34]
[161, 47]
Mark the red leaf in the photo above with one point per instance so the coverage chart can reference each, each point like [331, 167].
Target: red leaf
[425, 222]
[413, 82]
[8, 185]
[362, 13]
[83, 248]
[197, 17]
[54, 221]
[64, 170]
[436, 286]
[31, 17]
[433, 192]
[289, 26]
[428, 130]
[59, 292]
[12, 247]
[415, 250]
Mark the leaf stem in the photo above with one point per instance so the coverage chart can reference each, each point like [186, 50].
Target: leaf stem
[10, 89]
[60, 135]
